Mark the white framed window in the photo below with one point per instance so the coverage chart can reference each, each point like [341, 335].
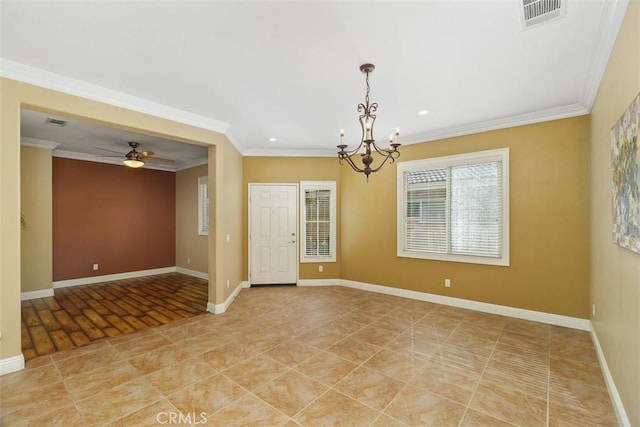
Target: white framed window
[203, 205]
[455, 208]
[318, 221]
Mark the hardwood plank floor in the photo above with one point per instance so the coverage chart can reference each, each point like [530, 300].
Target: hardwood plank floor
[79, 315]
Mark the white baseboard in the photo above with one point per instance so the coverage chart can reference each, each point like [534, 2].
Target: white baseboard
[319, 282]
[623, 419]
[110, 277]
[11, 364]
[221, 308]
[193, 273]
[42, 293]
[520, 313]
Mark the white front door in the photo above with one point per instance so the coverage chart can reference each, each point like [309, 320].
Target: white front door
[273, 254]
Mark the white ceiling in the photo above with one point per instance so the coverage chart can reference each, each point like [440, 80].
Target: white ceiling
[83, 140]
[289, 69]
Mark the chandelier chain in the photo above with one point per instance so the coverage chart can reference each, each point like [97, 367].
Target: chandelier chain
[366, 98]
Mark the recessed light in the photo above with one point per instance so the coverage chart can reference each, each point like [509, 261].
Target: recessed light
[423, 112]
[272, 139]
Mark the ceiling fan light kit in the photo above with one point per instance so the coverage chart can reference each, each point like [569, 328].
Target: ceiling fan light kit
[368, 146]
[133, 163]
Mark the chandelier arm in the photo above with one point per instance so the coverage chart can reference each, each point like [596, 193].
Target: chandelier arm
[349, 153]
[352, 164]
[389, 155]
[382, 151]
[355, 150]
[383, 163]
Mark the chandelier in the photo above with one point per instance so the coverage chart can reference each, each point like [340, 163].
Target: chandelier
[368, 145]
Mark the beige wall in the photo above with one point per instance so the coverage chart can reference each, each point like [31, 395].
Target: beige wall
[191, 248]
[290, 170]
[36, 204]
[231, 210]
[549, 223]
[615, 272]
[14, 96]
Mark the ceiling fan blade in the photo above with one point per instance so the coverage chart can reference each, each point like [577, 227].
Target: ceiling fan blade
[145, 153]
[112, 151]
[159, 160]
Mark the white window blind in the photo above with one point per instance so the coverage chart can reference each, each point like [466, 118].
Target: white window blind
[318, 224]
[426, 215]
[476, 209]
[455, 208]
[203, 205]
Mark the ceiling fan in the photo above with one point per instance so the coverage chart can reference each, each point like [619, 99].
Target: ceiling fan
[135, 158]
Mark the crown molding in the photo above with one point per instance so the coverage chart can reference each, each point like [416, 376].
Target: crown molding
[52, 145]
[556, 113]
[283, 152]
[39, 77]
[234, 140]
[610, 24]
[113, 161]
[191, 164]
[38, 143]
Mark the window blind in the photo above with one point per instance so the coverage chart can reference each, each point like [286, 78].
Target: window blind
[476, 209]
[318, 222]
[454, 210]
[426, 219]
[203, 205]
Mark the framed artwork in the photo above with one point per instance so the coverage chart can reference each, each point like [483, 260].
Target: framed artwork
[625, 160]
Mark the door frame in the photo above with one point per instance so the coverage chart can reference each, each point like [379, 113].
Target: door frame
[297, 208]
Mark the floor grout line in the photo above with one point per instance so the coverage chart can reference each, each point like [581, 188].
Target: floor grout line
[315, 312]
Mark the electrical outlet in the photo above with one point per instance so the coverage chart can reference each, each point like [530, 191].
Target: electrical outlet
[227, 283]
[95, 266]
[593, 310]
[320, 268]
[447, 283]
[188, 260]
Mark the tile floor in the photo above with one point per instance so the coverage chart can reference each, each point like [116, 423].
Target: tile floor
[320, 356]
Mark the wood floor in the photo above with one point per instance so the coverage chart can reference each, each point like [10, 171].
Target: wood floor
[79, 315]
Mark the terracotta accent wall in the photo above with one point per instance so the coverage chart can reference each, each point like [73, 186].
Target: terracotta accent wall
[615, 271]
[120, 218]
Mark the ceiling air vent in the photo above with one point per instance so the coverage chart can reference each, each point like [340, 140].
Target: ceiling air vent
[56, 122]
[536, 12]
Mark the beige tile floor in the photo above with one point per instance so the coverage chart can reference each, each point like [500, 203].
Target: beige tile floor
[316, 357]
